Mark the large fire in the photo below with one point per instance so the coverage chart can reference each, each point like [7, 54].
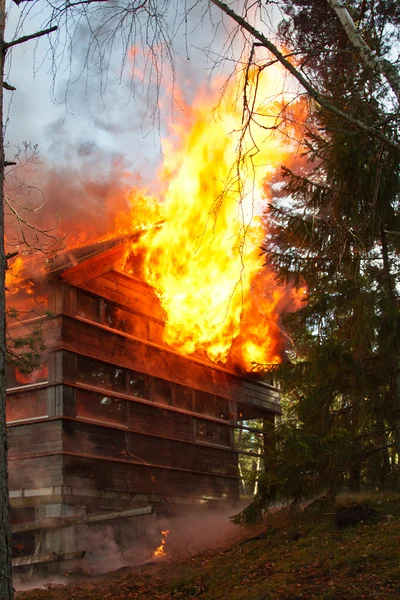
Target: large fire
[205, 261]
[200, 247]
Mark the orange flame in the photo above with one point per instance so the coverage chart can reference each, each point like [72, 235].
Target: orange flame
[161, 548]
[200, 247]
[205, 260]
[15, 282]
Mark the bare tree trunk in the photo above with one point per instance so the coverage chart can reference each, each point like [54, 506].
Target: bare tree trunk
[383, 66]
[389, 285]
[6, 588]
[385, 471]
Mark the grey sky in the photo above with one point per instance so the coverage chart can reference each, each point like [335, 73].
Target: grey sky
[74, 122]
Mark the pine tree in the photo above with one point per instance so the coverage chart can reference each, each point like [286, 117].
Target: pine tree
[335, 227]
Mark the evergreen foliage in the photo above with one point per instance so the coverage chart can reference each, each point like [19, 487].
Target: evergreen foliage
[335, 228]
[25, 348]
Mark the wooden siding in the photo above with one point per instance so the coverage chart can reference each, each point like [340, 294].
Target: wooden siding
[149, 448]
[86, 455]
[120, 349]
[101, 441]
[136, 479]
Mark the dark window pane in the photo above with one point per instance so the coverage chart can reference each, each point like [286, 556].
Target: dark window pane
[27, 405]
[123, 320]
[115, 317]
[87, 306]
[97, 407]
[69, 366]
[138, 384]
[161, 391]
[100, 374]
[210, 405]
[214, 433]
[183, 397]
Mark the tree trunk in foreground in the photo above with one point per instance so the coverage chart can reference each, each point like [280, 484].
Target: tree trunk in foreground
[6, 588]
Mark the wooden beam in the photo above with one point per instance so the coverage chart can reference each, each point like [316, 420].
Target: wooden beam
[93, 267]
[136, 463]
[59, 522]
[47, 557]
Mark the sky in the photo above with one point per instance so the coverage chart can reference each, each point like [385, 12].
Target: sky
[90, 134]
[71, 120]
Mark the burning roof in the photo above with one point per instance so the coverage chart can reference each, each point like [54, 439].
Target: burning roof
[197, 243]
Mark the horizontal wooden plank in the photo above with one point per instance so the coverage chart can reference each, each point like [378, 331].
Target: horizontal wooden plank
[94, 266]
[60, 522]
[129, 282]
[95, 341]
[47, 557]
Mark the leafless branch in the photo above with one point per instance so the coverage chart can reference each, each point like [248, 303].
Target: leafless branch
[26, 38]
[311, 90]
[23, 228]
[8, 87]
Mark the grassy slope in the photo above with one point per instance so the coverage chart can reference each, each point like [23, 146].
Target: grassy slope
[307, 559]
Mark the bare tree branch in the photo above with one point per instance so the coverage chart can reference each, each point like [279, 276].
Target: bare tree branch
[319, 98]
[26, 38]
[8, 87]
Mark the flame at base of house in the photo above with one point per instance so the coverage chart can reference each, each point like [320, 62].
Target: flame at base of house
[161, 552]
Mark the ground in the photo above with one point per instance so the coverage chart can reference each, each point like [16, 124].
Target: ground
[294, 557]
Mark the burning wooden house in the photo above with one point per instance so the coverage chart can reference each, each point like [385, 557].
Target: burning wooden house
[147, 391]
[114, 418]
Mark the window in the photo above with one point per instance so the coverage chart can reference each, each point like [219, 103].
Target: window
[183, 397]
[29, 305]
[99, 407]
[87, 306]
[214, 433]
[161, 391]
[115, 317]
[138, 385]
[26, 405]
[212, 406]
[123, 320]
[100, 374]
[15, 377]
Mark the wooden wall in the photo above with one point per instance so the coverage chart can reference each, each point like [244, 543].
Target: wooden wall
[141, 448]
[81, 457]
[99, 342]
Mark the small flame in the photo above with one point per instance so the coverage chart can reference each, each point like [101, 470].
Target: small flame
[161, 548]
